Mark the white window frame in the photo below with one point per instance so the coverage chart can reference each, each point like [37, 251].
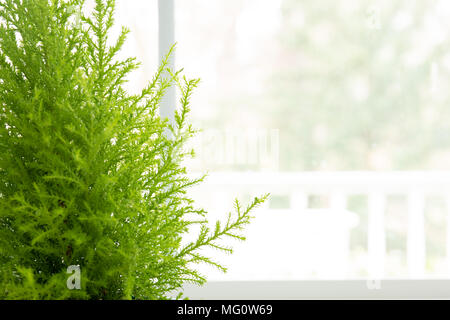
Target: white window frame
[313, 289]
[166, 39]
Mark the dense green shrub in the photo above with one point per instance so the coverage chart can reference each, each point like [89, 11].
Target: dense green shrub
[89, 174]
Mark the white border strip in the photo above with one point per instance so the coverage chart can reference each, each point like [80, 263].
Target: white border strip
[320, 289]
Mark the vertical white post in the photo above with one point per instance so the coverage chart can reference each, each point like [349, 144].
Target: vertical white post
[416, 234]
[338, 206]
[447, 199]
[376, 235]
[166, 41]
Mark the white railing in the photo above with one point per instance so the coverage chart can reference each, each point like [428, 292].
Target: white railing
[338, 186]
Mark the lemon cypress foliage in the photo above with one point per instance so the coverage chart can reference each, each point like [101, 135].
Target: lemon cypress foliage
[89, 176]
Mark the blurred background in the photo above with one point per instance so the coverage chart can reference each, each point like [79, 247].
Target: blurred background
[338, 108]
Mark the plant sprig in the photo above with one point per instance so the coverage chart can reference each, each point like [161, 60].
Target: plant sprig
[88, 174]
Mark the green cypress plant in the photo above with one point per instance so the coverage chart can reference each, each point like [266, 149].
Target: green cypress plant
[90, 175]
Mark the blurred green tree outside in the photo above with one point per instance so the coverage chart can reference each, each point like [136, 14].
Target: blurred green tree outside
[351, 85]
[361, 86]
